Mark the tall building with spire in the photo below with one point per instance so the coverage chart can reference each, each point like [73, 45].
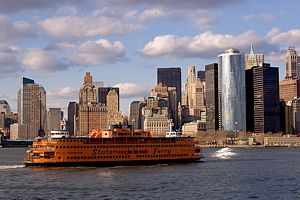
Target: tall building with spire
[231, 90]
[32, 119]
[292, 63]
[194, 96]
[253, 59]
[91, 114]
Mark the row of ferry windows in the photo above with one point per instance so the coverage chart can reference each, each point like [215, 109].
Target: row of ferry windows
[123, 146]
[158, 139]
[97, 157]
[160, 155]
[126, 156]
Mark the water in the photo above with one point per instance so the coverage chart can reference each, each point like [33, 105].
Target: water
[228, 173]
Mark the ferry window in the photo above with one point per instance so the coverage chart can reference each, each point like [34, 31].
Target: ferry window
[88, 157]
[67, 157]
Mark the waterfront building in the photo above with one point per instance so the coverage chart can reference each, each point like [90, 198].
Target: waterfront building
[194, 95]
[262, 101]
[18, 131]
[72, 116]
[54, 119]
[289, 88]
[292, 63]
[286, 141]
[295, 104]
[231, 91]
[211, 97]
[253, 59]
[158, 124]
[91, 115]
[31, 109]
[170, 77]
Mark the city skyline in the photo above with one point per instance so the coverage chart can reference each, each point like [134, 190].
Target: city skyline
[136, 39]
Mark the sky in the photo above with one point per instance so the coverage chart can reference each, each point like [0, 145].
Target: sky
[122, 43]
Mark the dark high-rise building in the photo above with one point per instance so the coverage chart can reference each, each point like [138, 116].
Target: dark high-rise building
[249, 100]
[170, 77]
[201, 75]
[102, 94]
[134, 114]
[265, 98]
[211, 90]
[72, 114]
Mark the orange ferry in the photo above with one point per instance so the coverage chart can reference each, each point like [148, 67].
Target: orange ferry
[112, 147]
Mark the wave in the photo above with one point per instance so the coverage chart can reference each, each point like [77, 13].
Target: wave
[224, 153]
[2, 167]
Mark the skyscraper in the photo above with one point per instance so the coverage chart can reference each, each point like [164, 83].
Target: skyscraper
[263, 99]
[253, 59]
[91, 114]
[231, 91]
[194, 94]
[31, 109]
[112, 108]
[4, 106]
[103, 92]
[170, 77]
[211, 93]
[72, 115]
[289, 88]
[291, 63]
[54, 119]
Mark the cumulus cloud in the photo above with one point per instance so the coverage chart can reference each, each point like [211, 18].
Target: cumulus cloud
[175, 4]
[12, 32]
[75, 27]
[132, 90]
[39, 59]
[63, 93]
[290, 37]
[10, 64]
[205, 45]
[99, 52]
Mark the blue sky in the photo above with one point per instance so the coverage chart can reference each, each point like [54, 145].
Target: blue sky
[123, 42]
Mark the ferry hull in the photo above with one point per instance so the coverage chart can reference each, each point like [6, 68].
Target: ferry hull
[111, 163]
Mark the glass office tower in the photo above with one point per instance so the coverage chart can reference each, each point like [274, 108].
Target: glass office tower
[232, 99]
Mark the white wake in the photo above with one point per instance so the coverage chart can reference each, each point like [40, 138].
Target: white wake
[224, 153]
[2, 167]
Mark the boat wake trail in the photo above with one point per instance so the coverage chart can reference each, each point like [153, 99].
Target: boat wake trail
[224, 153]
[3, 167]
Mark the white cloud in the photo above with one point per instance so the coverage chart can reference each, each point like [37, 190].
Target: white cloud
[291, 37]
[38, 59]
[248, 18]
[175, 4]
[205, 45]
[63, 93]
[132, 90]
[75, 27]
[99, 52]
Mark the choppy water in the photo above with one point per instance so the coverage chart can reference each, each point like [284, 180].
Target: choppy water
[228, 173]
